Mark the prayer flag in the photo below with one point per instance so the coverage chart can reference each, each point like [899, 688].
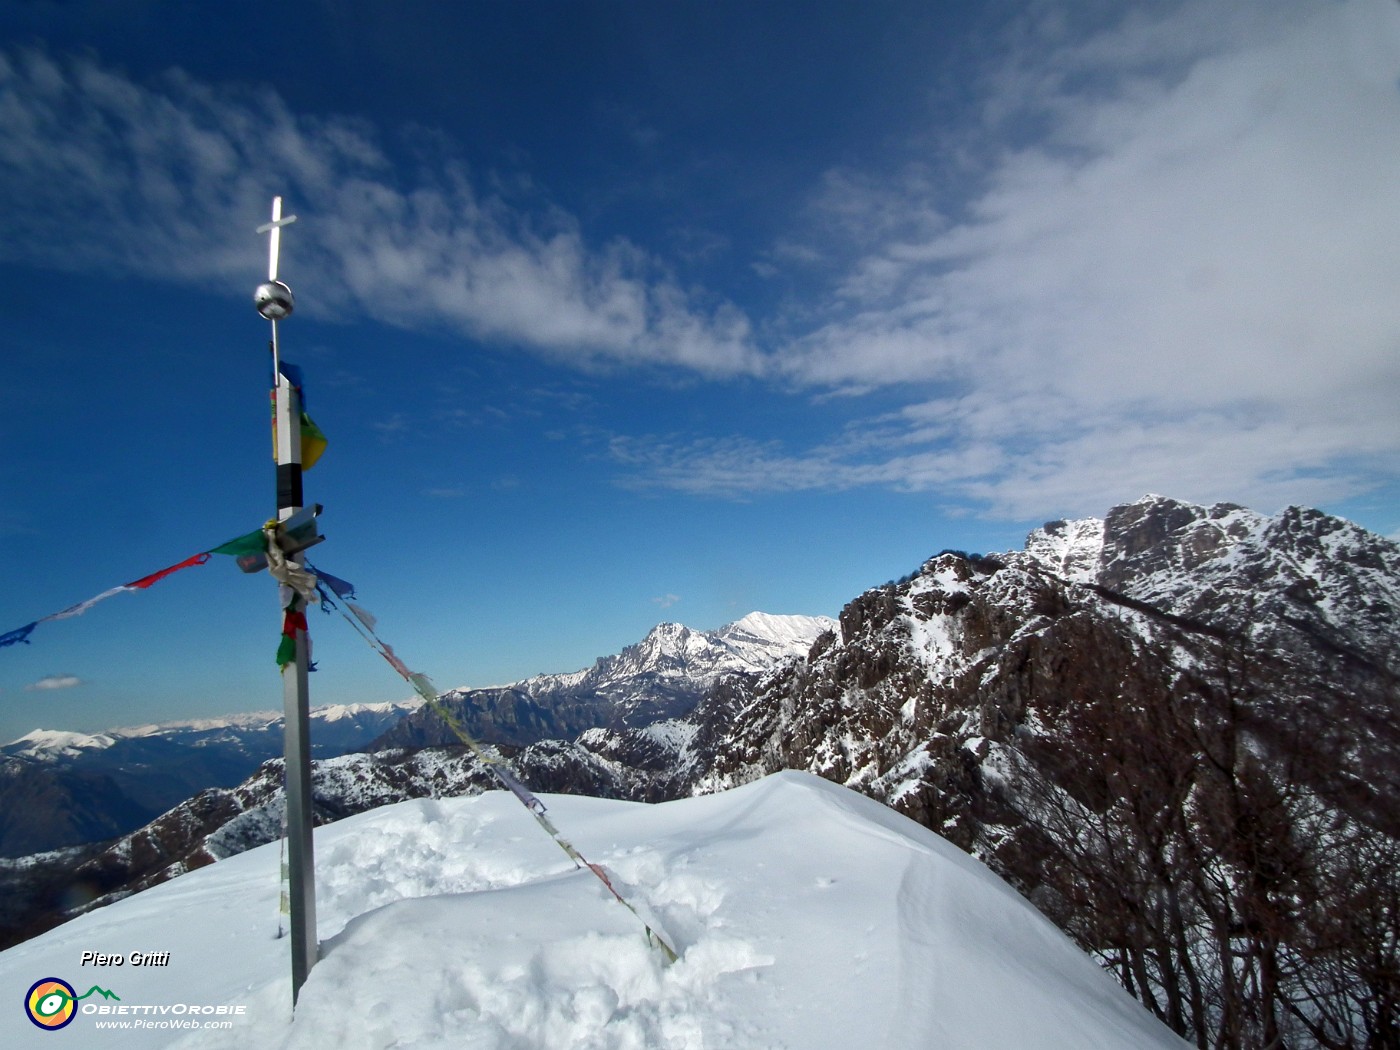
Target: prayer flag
[342, 588]
[363, 615]
[82, 607]
[313, 442]
[146, 581]
[19, 634]
[249, 543]
[292, 622]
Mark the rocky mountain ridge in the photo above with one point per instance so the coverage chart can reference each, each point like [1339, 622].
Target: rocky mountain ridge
[1168, 728]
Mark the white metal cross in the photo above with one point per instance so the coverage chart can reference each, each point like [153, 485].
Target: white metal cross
[275, 240]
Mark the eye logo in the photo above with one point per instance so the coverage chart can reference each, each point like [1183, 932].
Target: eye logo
[51, 1003]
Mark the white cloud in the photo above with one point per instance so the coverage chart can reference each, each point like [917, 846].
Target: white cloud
[1175, 271]
[666, 600]
[99, 171]
[1182, 279]
[56, 681]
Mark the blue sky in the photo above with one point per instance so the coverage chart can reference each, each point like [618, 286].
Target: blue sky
[620, 312]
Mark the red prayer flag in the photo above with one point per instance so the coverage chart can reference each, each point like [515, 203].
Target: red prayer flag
[146, 581]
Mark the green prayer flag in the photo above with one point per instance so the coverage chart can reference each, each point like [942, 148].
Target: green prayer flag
[251, 543]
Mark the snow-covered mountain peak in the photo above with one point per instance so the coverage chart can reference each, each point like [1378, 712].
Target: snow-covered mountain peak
[342, 712]
[48, 744]
[1146, 537]
[662, 676]
[1299, 569]
[1152, 543]
[757, 642]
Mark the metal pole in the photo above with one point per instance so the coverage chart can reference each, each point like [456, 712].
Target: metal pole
[274, 301]
[296, 708]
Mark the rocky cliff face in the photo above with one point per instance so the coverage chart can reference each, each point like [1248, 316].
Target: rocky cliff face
[925, 673]
[1170, 729]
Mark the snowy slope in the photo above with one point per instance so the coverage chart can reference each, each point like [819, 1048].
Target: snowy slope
[1070, 549]
[760, 639]
[806, 916]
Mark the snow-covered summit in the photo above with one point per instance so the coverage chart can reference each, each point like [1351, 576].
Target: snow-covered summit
[804, 915]
[50, 744]
[1229, 565]
[1236, 568]
[755, 643]
[342, 712]
[759, 636]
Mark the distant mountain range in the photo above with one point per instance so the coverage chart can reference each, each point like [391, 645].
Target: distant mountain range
[1176, 729]
[92, 816]
[61, 789]
[663, 676]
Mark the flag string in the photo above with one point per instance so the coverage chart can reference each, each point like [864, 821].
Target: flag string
[235, 547]
[262, 542]
[364, 625]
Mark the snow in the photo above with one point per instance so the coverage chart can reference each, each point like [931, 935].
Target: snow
[1070, 549]
[337, 712]
[242, 720]
[755, 643]
[793, 633]
[931, 640]
[673, 733]
[51, 743]
[45, 743]
[806, 916]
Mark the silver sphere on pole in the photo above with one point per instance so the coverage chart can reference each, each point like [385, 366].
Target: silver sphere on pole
[274, 300]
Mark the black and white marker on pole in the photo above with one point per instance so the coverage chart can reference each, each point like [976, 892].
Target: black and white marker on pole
[275, 302]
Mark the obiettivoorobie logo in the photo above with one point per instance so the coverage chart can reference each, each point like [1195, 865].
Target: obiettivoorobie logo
[51, 1003]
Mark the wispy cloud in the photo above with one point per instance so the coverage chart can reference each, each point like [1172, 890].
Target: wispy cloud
[169, 179]
[1177, 273]
[665, 601]
[56, 681]
[1160, 257]
[394, 426]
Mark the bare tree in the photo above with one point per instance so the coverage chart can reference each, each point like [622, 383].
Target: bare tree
[1199, 826]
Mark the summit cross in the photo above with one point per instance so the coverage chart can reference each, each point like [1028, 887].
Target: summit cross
[274, 230]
